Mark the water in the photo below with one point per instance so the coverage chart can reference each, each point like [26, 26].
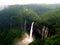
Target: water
[26, 39]
[44, 32]
[31, 30]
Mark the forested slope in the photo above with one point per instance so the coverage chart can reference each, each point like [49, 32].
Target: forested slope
[12, 23]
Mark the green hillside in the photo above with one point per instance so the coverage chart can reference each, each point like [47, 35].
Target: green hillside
[13, 18]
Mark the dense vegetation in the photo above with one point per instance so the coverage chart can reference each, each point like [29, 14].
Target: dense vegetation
[13, 18]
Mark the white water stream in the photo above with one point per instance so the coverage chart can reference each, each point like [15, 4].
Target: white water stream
[26, 38]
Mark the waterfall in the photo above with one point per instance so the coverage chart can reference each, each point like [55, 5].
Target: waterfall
[31, 31]
[44, 32]
[26, 39]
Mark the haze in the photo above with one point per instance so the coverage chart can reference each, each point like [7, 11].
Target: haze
[13, 2]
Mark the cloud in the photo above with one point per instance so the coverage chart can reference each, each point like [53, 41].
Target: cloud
[12, 2]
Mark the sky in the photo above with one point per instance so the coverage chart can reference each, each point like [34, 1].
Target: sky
[22, 2]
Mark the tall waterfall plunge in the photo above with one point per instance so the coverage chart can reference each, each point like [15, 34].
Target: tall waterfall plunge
[31, 31]
[26, 39]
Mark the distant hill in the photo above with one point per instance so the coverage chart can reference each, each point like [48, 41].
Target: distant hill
[16, 20]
